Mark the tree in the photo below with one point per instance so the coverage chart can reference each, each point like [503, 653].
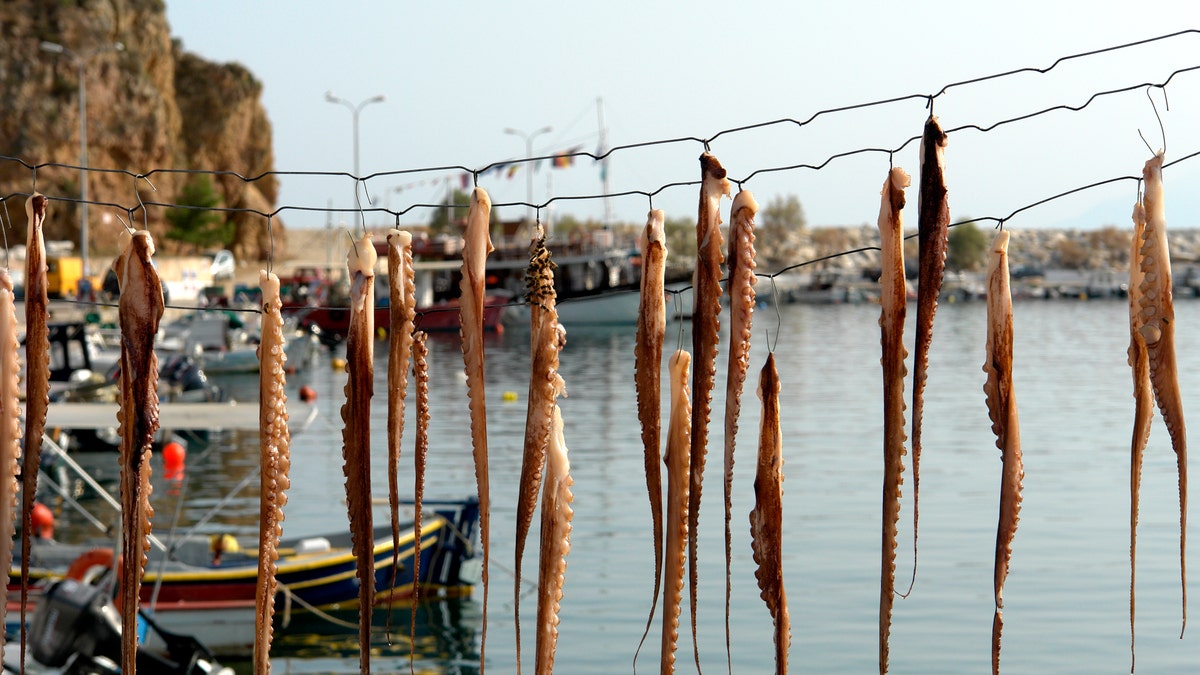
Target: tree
[451, 217]
[453, 211]
[194, 222]
[777, 229]
[681, 238]
[967, 248]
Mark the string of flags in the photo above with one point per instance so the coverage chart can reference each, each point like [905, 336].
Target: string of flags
[559, 160]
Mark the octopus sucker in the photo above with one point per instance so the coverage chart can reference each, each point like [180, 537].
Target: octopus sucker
[545, 386]
[1002, 409]
[37, 383]
[893, 301]
[10, 424]
[555, 544]
[706, 324]
[741, 313]
[477, 244]
[647, 365]
[402, 296]
[274, 442]
[766, 518]
[1158, 330]
[677, 458]
[139, 313]
[933, 231]
[420, 358]
[1143, 397]
[356, 432]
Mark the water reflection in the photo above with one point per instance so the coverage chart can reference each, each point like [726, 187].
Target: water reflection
[441, 639]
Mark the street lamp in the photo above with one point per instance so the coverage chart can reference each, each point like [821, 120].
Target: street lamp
[528, 166]
[81, 61]
[354, 111]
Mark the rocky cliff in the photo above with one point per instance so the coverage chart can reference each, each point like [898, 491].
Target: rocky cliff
[152, 108]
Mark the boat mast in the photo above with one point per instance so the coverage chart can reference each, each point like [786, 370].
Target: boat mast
[604, 163]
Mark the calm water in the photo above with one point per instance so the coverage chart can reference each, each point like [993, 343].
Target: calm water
[1066, 596]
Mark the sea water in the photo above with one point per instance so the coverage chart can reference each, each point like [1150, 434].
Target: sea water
[1067, 595]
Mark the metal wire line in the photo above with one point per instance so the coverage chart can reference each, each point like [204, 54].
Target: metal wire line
[678, 292]
[644, 193]
[476, 172]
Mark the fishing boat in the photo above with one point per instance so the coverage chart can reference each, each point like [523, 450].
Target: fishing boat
[203, 585]
[223, 344]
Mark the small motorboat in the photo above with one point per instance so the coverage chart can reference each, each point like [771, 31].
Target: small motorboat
[204, 585]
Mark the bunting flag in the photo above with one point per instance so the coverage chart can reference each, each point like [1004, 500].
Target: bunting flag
[512, 170]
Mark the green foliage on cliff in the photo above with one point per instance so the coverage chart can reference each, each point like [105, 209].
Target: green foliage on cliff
[193, 222]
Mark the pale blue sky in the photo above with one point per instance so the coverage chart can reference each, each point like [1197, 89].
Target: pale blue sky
[456, 74]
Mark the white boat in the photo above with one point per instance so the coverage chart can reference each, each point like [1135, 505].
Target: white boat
[223, 345]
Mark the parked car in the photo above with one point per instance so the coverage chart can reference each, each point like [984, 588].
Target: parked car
[222, 266]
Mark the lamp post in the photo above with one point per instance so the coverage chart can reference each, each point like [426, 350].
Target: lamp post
[354, 111]
[80, 60]
[528, 166]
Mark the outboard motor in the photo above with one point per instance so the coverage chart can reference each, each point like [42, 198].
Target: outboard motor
[77, 628]
[74, 620]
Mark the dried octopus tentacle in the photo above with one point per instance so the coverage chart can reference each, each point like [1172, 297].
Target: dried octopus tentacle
[555, 544]
[1143, 406]
[139, 312]
[766, 518]
[677, 459]
[545, 386]
[356, 432]
[37, 382]
[706, 323]
[647, 366]
[420, 357]
[893, 301]
[741, 312]
[477, 245]
[1002, 409]
[933, 231]
[10, 425]
[274, 441]
[401, 319]
[1158, 330]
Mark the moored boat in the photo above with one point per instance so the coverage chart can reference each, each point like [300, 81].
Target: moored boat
[204, 585]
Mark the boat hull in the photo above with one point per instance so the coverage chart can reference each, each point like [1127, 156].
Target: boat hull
[334, 322]
[215, 602]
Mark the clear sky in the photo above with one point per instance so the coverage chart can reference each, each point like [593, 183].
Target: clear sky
[457, 74]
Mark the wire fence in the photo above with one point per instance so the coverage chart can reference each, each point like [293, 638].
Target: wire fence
[136, 208]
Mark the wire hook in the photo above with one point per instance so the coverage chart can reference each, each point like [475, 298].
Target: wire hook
[778, 316]
[137, 193]
[1161, 128]
[271, 245]
[4, 229]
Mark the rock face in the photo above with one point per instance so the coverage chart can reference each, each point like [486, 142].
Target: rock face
[152, 108]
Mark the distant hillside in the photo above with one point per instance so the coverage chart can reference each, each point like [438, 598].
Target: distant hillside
[150, 106]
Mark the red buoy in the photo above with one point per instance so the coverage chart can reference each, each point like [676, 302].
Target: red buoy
[174, 456]
[308, 394]
[43, 521]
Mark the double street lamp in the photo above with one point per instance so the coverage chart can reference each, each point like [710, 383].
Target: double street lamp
[354, 111]
[528, 165]
[80, 59]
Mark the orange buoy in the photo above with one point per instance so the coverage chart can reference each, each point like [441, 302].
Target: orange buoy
[308, 394]
[174, 456]
[43, 521]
